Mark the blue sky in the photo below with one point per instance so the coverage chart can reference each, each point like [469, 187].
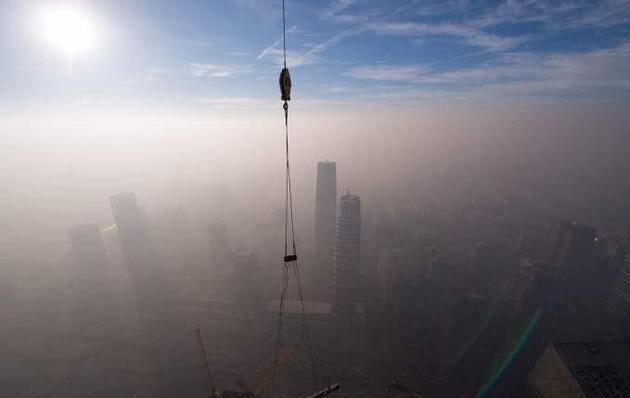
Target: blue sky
[228, 52]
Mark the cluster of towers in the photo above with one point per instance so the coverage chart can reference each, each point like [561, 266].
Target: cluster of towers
[91, 260]
[337, 247]
[336, 267]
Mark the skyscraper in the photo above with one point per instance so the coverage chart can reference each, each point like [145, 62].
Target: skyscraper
[347, 265]
[217, 231]
[326, 204]
[90, 273]
[573, 247]
[325, 219]
[243, 280]
[618, 301]
[88, 251]
[138, 250]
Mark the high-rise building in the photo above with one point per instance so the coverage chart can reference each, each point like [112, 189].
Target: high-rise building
[573, 248]
[88, 251]
[243, 279]
[217, 232]
[326, 204]
[89, 266]
[138, 250]
[618, 301]
[325, 220]
[347, 280]
[93, 297]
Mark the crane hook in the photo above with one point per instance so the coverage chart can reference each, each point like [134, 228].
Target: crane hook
[285, 84]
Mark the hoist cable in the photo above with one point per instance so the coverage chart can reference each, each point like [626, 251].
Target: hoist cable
[305, 332]
[285, 283]
[290, 253]
[284, 35]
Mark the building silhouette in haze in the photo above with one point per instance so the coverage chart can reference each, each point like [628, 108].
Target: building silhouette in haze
[243, 280]
[138, 250]
[91, 288]
[325, 221]
[347, 280]
[219, 249]
[618, 301]
[326, 204]
[573, 247]
[88, 252]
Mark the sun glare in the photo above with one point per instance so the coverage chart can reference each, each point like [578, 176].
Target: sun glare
[68, 30]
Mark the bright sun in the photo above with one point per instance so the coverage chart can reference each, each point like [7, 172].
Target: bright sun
[69, 30]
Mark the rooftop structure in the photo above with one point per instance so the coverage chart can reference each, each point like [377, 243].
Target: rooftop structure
[585, 370]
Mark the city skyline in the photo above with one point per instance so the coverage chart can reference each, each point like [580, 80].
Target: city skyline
[440, 206]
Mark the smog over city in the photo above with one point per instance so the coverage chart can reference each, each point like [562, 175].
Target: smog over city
[282, 198]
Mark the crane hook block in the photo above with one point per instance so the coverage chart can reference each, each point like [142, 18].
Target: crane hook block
[289, 258]
[285, 84]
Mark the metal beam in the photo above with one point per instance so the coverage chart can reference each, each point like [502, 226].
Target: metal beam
[328, 390]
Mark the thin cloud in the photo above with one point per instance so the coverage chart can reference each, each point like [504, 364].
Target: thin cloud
[267, 50]
[151, 75]
[266, 9]
[239, 53]
[517, 74]
[558, 16]
[470, 35]
[196, 43]
[388, 73]
[276, 53]
[338, 89]
[236, 102]
[307, 57]
[215, 70]
[335, 7]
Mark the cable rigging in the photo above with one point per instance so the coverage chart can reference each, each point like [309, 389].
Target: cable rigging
[290, 266]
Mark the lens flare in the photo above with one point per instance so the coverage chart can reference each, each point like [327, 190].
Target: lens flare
[512, 354]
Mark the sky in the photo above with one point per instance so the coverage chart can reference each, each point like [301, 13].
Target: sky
[205, 55]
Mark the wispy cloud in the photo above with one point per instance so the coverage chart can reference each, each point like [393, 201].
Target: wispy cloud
[470, 35]
[305, 57]
[237, 102]
[520, 74]
[411, 74]
[275, 52]
[558, 16]
[267, 9]
[196, 43]
[268, 50]
[602, 14]
[335, 7]
[215, 70]
[151, 75]
[239, 53]
[338, 89]
[294, 58]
